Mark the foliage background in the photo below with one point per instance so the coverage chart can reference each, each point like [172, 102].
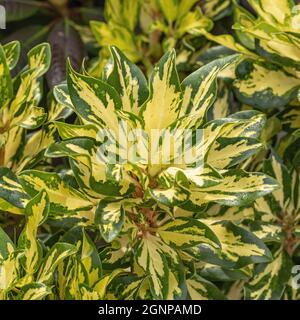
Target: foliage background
[228, 232]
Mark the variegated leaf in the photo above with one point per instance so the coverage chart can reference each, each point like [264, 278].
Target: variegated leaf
[121, 12]
[267, 232]
[92, 175]
[94, 100]
[171, 197]
[187, 232]
[34, 148]
[29, 91]
[200, 289]
[32, 119]
[39, 58]
[227, 152]
[12, 53]
[34, 291]
[270, 279]
[57, 110]
[290, 118]
[129, 81]
[264, 86]
[6, 88]
[101, 287]
[37, 210]
[70, 131]
[200, 90]
[10, 271]
[277, 11]
[126, 287]
[62, 96]
[63, 198]
[216, 9]
[6, 245]
[90, 260]
[110, 218]
[114, 34]
[13, 197]
[162, 107]
[237, 188]
[151, 255]
[279, 200]
[56, 254]
[239, 247]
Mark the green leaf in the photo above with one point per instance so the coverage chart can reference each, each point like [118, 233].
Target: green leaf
[216, 273]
